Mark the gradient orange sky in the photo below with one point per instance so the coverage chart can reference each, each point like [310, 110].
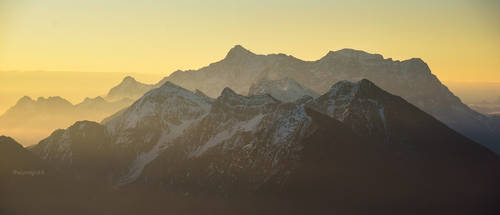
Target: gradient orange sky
[459, 39]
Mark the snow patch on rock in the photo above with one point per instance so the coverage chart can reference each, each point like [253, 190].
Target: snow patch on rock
[145, 158]
[244, 126]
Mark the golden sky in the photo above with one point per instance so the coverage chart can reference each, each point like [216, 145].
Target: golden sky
[459, 39]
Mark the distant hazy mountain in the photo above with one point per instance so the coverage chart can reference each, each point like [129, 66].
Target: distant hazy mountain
[26, 106]
[100, 108]
[486, 107]
[28, 111]
[354, 144]
[129, 88]
[410, 79]
[31, 120]
[354, 148]
[287, 89]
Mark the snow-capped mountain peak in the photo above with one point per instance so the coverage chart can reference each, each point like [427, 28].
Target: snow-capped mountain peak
[91, 101]
[170, 103]
[151, 124]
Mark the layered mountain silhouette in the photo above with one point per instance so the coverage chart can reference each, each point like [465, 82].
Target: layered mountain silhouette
[410, 79]
[248, 74]
[129, 88]
[350, 133]
[31, 120]
[355, 149]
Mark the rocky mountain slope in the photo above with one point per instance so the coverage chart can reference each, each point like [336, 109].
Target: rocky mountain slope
[354, 148]
[411, 79]
[146, 128]
[30, 184]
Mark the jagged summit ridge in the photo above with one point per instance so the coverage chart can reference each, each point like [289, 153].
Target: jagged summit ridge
[239, 52]
[351, 89]
[227, 92]
[411, 79]
[24, 100]
[161, 102]
[27, 105]
[362, 105]
[171, 86]
[229, 97]
[349, 136]
[151, 124]
[351, 53]
[92, 101]
[37, 118]
[128, 88]
[319, 75]
[286, 90]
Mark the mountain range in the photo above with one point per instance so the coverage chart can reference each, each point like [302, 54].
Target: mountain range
[248, 73]
[411, 79]
[31, 120]
[351, 133]
[353, 149]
